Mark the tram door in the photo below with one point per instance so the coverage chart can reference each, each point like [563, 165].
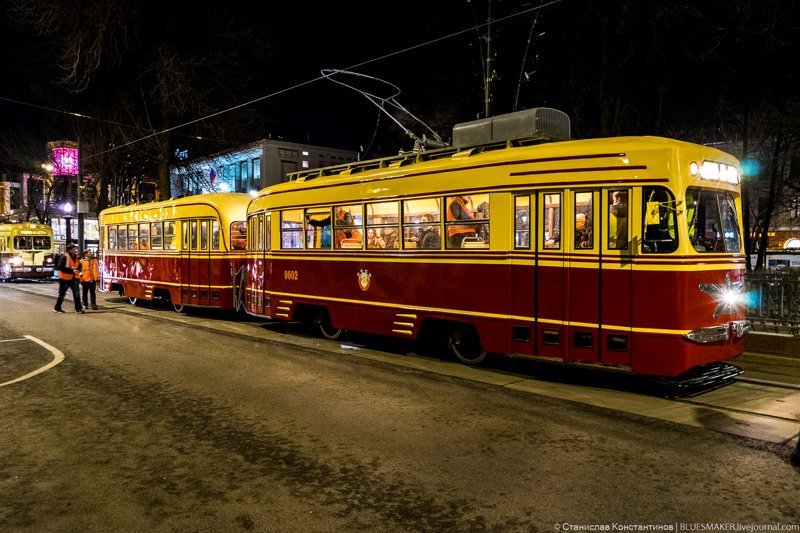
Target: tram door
[551, 326]
[583, 275]
[616, 277]
[198, 291]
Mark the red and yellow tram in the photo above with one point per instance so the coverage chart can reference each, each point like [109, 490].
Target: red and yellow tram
[624, 253]
[186, 251]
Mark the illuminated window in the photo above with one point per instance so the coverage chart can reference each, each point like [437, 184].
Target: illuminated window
[522, 225]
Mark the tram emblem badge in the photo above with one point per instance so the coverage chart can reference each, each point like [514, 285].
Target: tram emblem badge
[364, 279]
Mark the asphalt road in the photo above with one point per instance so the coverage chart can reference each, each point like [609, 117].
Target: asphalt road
[153, 426]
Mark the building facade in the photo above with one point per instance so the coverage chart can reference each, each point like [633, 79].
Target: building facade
[252, 167]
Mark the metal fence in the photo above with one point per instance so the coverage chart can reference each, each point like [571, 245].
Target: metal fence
[773, 302]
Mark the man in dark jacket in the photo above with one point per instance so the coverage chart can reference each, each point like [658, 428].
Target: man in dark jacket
[68, 274]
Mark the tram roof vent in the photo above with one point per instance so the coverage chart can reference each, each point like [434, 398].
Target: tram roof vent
[539, 122]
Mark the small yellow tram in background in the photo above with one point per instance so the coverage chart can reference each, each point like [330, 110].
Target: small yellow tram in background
[26, 251]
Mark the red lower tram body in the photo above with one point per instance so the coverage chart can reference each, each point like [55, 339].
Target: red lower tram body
[203, 280]
[571, 310]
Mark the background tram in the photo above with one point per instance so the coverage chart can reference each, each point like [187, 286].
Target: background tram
[187, 251]
[623, 253]
[26, 251]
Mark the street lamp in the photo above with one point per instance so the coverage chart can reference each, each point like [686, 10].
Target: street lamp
[66, 208]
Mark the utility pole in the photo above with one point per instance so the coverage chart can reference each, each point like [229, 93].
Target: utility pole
[487, 83]
[81, 201]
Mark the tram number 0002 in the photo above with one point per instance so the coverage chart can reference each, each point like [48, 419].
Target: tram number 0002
[291, 275]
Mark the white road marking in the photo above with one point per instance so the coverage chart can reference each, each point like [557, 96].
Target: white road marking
[14, 340]
[58, 356]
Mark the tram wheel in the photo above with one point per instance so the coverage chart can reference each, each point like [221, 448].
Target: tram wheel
[133, 300]
[466, 346]
[328, 331]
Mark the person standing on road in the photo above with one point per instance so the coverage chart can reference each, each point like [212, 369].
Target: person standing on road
[90, 275]
[69, 270]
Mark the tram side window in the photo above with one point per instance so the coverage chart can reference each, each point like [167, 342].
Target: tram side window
[467, 221]
[522, 222]
[348, 227]
[422, 224]
[122, 234]
[112, 238]
[204, 234]
[618, 220]
[193, 234]
[144, 236]
[551, 224]
[318, 228]
[584, 220]
[383, 221]
[658, 215]
[239, 235]
[169, 235]
[292, 229]
[266, 239]
[713, 226]
[133, 232]
[156, 237]
[215, 235]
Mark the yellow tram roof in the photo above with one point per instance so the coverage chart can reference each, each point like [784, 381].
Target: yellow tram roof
[26, 228]
[500, 166]
[228, 206]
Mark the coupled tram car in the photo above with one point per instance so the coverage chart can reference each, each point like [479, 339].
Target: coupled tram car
[185, 252]
[624, 253]
[26, 251]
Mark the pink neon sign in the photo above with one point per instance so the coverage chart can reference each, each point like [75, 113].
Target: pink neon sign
[65, 161]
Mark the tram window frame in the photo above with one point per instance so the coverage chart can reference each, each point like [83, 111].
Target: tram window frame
[619, 217]
[552, 223]
[478, 220]
[416, 216]
[133, 236]
[238, 235]
[156, 236]
[584, 239]
[663, 238]
[292, 229]
[318, 230]
[23, 242]
[522, 222]
[143, 238]
[266, 235]
[390, 221]
[169, 235]
[343, 238]
[193, 234]
[215, 234]
[204, 236]
[112, 237]
[122, 237]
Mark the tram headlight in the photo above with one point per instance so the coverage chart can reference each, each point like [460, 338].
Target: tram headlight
[715, 171]
[16, 261]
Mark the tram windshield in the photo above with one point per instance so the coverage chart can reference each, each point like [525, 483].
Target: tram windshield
[31, 243]
[713, 226]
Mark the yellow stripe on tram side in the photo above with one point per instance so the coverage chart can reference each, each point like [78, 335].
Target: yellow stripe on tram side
[171, 283]
[461, 312]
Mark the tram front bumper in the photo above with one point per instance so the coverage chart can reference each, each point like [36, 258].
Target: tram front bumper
[721, 333]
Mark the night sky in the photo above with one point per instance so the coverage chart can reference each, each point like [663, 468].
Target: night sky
[642, 67]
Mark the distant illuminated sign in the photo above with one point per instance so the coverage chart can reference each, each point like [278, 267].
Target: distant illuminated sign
[792, 244]
[65, 161]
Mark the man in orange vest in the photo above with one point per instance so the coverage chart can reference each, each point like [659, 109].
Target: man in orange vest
[69, 269]
[90, 275]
